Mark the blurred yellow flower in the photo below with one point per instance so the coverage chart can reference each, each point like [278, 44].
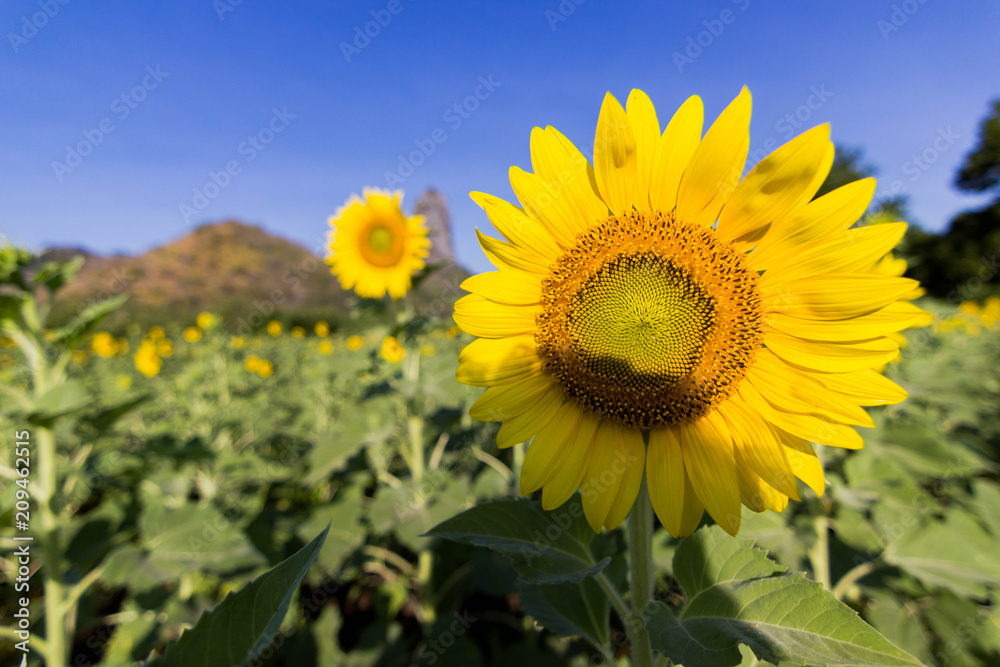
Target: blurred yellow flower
[969, 308]
[255, 343]
[165, 347]
[123, 382]
[252, 363]
[155, 333]
[78, 356]
[392, 351]
[453, 332]
[274, 328]
[265, 369]
[192, 334]
[206, 320]
[298, 332]
[325, 347]
[322, 329]
[147, 361]
[355, 343]
[428, 350]
[104, 345]
[236, 342]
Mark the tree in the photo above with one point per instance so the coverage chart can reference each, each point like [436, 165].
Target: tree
[981, 171]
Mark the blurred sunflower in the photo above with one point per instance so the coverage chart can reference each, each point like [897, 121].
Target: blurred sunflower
[274, 328]
[298, 332]
[236, 342]
[322, 329]
[192, 334]
[265, 368]
[206, 320]
[374, 247]
[104, 344]
[657, 296]
[147, 361]
[325, 347]
[355, 343]
[392, 351]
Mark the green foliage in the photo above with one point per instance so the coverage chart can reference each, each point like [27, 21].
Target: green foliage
[981, 170]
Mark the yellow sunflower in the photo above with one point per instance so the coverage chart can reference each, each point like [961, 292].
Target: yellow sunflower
[655, 313]
[374, 247]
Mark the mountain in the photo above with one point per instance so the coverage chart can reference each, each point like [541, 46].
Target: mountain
[245, 274]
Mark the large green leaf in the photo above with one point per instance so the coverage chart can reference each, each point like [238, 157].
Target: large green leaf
[545, 547]
[570, 608]
[245, 622]
[736, 595]
[60, 400]
[956, 553]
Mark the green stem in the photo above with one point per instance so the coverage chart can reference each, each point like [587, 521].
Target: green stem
[57, 624]
[853, 576]
[640, 553]
[819, 553]
[414, 420]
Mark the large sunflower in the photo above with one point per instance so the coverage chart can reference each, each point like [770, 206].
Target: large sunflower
[655, 297]
[374, 247]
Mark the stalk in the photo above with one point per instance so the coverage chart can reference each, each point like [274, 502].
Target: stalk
[640, 553]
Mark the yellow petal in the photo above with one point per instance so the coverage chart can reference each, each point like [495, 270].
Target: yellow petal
[836, 297]
[502, 402]
[524, 231]
[483, 318]
[814, 429]
[490, 361]
[709, 460]
[805, 464]
[646, 129]
[548, 449]
[507, 255]
[754, 492]
[896, 316]
[866, 387]
[794, 390]
[569, 473]
[833, 212]
[779, 184]
[615, 157]
[545, 203]
[633, 455]
[851, 251]
[674, 501]
[759, 447]
[531, 421]
[716, 165]
[831, 357]
[673, 153]
[604, 474]
[518, 288]
[575, 175]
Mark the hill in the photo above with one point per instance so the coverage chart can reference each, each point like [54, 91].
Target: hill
[243, 273]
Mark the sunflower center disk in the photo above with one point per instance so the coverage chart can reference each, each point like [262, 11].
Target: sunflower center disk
[381, 245]
[648, 321]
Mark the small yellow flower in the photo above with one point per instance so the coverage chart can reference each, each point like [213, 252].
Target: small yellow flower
[252, 363]
[322, 329]
[392, 351]
[147, 361]
[49, 335]
[265, 369]
[355, 343]
[325, 347]
[165, 347]
[192, 334]
[104, 345]
[298, 332]
[155, 333]
[274, 328]
[123, 382]
[236, 342]
[969, 308]
[453, 332]
[206, 320]
[79, 356]
[428, 350]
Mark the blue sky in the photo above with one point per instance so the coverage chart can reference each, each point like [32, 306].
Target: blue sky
[199, 79]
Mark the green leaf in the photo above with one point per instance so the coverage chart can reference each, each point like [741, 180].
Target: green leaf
[343, 515]
[245, 622]
[570, 608]
[100, 422]
[73, 333]
[736, 595]
[957, 554]
[545, 547]
[60, 400]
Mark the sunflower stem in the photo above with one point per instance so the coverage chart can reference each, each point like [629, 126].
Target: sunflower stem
[819, 553]
[640, 553]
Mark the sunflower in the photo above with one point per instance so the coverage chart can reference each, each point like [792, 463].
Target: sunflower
[374, 248]
[656, 314]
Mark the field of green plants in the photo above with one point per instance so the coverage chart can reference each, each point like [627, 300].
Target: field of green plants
[190, 460]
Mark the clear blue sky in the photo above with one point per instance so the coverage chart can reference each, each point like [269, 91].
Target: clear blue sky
[221, 74]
